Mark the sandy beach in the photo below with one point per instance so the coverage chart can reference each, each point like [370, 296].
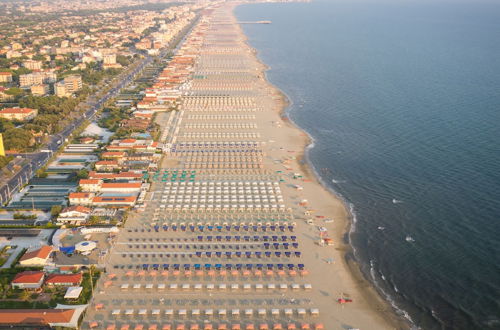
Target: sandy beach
[253, 175]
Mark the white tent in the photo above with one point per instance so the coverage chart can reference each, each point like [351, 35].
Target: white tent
[85, 246]
[73, 292]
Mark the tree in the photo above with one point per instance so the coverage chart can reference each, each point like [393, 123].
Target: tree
[14, 91]
[55, 210]
[25, 295]
[17, 139]
[6, 124]
[40, 173]
[82, 174]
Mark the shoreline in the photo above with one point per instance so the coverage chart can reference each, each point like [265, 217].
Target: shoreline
[375, 300]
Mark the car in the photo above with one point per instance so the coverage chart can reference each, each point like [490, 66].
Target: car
[322, 229]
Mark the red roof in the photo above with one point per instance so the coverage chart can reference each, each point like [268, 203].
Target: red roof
[28, 277]
[88, 181]
[79, 195]
[122, 185]
[17, 110]
[100, 175]
[128, 141]
[64, 278]
[35, 316]
[113, 199]
[107, 162]
[113, 154]
[42, 253]
[77, 208]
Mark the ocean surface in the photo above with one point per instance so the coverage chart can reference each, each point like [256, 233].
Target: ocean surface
[402, 99]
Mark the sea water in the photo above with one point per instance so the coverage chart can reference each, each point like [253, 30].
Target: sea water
[402, 99]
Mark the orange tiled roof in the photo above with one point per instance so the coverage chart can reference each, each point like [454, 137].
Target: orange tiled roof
[42, 253]
[113, 199]
[88, 181]
[122, 185]
[78, 208]
[17, 110]
[35, 316]
[64, 278]
[78, 195]
[28, 277]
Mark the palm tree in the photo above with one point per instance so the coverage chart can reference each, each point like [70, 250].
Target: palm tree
[25, 295]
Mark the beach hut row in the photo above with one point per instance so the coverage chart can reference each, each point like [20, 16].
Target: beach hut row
[246, 287]
[222, 312]
[220, 117]
[207, 326]
[221, 126]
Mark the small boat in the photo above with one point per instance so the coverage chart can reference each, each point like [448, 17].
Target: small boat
[409, 239]
[380, 228]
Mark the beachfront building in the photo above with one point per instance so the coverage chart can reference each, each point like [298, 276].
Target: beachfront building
[107, 165]
[38, 257]
[31, 280]
[64, 279]
[133, 144]
[74, 215]
[114, 201]
[61, 316]
[96, 185]
[115, 176]
[80, 198]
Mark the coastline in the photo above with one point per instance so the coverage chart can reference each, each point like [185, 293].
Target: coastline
[371, 301]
